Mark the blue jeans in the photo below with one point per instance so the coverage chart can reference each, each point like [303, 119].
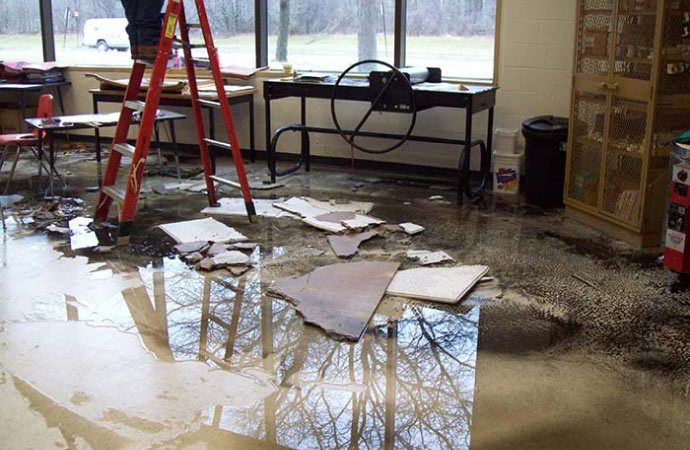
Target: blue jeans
[144, 17]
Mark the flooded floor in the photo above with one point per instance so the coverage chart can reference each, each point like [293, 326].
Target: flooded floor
[578, 343]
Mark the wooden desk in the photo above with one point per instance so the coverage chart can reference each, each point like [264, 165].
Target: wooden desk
[21, 89]
[235, 97]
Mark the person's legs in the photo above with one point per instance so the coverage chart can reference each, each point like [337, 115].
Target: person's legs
[149, 26]
[131, 10]
[144, 27]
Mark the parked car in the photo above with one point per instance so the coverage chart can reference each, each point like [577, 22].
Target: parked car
[106, 34]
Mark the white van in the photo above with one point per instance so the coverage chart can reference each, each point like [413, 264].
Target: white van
[104, 34]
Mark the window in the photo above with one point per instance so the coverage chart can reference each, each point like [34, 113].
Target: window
[20, 31]
[90, 32]
[329, 34]
[93, 32]
[321, 35]
[460, 40]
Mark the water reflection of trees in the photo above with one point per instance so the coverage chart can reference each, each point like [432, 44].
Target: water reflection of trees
[407, 383]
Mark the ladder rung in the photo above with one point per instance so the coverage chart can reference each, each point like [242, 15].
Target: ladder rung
[115, 192]
[218, 143]
[124, 149]
[201, 62]
[225, 181]
[179, 43]
[193, 25]
[210, 103]
[136, 105]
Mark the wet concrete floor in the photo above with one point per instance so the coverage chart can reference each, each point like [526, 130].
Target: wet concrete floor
[579, 343]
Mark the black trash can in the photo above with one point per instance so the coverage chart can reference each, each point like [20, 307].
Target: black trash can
[545, 154]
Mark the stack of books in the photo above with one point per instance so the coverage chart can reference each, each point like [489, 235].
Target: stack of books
[34, 73]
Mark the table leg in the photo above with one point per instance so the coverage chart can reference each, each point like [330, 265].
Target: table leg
[40, 160]
[303, 113]
[173, 138]
[22, 111]
[489, 142]
[51, 149]
[158, 148]
[59, 96]
[270, 154]
[252, 147]
[464, 179]
[212, 132]
[97, 136]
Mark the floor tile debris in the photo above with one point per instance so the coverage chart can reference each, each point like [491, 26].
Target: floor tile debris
[209, 230]
[445, 285]
[339, 298]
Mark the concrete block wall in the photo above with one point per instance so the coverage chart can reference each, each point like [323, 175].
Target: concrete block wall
[535, 73]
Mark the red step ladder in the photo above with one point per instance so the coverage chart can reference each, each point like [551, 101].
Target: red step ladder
[127, 195]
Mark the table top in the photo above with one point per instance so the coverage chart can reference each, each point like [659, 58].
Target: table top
[31, 86]
[446, 88]
[230, 91]
[81, 121]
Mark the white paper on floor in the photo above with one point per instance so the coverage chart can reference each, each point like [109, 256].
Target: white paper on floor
[206, 230]
[427, 258]
[236, 207]
[411, 228]
[81, 236]
[444, 285]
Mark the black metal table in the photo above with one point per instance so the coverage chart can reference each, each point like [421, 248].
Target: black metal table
[95, 122]
[22, 88]
[184, 100]
[473, 100]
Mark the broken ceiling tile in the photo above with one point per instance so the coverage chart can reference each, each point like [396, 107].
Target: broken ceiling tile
[411, 228]
[81, 236]
[444, 285]
[336, 217]
[301, 207]
[245, 245]
[217, 249]
[346, 246]
[8, 200]
[56, 229]
[202, 230]
[324, 225]
[231, 258]
[360, 222]
[193, 258]
[236, 207]
[341, 298]
[191, 247]
[308, 207]
[435, 198]
[342, 206]
[426, 258]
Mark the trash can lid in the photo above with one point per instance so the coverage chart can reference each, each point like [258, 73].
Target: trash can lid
[547, 125]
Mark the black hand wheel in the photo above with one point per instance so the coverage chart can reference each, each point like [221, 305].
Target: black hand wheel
[350, 136]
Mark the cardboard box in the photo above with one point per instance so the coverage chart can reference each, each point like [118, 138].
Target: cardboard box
[10, 119]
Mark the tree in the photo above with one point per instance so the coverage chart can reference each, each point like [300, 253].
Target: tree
[283, 31]
[366, 30]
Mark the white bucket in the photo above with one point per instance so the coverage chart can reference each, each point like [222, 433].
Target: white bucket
[505, 141]
[506, 170]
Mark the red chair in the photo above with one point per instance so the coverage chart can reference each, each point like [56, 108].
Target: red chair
[26, 140]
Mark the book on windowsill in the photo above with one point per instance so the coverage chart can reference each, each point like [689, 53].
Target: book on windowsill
[241, 72]
[315, 77]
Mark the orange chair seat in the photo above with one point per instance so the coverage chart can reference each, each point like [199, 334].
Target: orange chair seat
[18, 139]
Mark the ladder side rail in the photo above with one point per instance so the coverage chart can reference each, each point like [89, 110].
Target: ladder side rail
[225, 104]
[196, 110]
[148, 118]
[120, 136]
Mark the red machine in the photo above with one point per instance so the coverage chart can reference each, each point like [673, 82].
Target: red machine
[677, 255]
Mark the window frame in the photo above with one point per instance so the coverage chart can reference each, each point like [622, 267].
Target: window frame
[261, 36]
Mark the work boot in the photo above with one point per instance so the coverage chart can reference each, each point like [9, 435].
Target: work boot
[147, 53]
